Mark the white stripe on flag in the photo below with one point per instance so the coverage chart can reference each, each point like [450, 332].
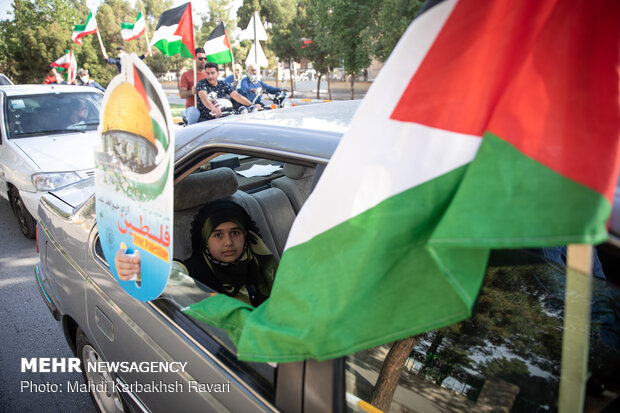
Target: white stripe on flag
[379, 157]
[166, 33]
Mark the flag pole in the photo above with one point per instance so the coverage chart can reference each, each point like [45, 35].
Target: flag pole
[68, 58]
[146, 35]
[105, 55]
[195, 94]
[255, 48]
[576, 335]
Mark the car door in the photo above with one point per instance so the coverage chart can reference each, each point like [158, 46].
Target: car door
[157, 333]
[3, 139]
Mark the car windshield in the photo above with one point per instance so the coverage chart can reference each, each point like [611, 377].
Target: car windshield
[54, 113]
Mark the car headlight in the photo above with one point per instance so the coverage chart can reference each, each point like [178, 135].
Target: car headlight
[49, 181]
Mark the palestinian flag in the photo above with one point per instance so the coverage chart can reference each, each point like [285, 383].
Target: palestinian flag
[175, 32]
[492, 125]
[81, 30]
[217, 46]
[67, 62]
[131, 31]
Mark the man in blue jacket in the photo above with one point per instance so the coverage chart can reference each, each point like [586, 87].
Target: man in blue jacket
[251, 83]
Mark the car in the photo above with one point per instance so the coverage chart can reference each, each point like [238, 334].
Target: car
[507, 356]
[41, 146]
[5, 80]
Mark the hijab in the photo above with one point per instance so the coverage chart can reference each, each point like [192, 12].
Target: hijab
[250, 276]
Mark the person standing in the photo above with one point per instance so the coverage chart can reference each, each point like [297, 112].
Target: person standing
[211, 84]
[85, 80]
[187, 89]
[120, 50]
[53, 77]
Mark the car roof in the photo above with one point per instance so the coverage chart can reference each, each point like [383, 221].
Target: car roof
[312, 130]
[24, 90]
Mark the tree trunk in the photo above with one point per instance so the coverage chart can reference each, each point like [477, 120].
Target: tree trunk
[329, 85]
[290, 69]
[352, 87]
[318, 86]
[387, 381]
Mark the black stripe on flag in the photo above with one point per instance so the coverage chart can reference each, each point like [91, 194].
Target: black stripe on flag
[172, 16]
[217, 32]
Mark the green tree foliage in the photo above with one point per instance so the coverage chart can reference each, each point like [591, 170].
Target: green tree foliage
[392, 19]
[38, 34]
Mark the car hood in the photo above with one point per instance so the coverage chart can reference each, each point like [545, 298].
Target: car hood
[56, 153]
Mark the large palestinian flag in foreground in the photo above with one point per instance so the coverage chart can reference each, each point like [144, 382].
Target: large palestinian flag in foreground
[81, 30]
[492, 124]
[174, 33]
[217, 47]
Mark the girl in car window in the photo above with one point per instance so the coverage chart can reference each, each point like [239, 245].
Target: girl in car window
[228, 254]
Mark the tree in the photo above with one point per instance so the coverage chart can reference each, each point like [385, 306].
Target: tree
[392, 19]
[38, 34]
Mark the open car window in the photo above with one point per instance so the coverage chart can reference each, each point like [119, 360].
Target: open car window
[506, 356]
[271, 191]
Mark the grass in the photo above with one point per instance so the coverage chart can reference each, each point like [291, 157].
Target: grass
[176, 109]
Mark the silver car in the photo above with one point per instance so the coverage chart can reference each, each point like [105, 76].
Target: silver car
[507, 356]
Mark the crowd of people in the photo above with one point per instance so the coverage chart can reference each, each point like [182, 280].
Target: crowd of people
[242, 90]
[83, 78]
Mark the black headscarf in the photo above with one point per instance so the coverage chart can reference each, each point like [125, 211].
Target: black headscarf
[254, 269]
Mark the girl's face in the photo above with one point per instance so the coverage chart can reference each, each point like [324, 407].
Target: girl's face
[226, 242]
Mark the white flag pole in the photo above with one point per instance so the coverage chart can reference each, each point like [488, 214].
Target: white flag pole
[146, 35]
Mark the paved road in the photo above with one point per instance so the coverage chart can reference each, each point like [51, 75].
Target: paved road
[28, 330]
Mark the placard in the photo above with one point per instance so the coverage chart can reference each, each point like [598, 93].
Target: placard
[134, 177]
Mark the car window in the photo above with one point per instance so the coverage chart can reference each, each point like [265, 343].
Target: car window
[53, 113]
[507, 355]
[267, 189]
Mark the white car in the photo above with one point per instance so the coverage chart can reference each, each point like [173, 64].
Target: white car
[47, 134]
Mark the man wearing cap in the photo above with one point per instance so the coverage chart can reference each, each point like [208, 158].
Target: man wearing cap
[84, 80]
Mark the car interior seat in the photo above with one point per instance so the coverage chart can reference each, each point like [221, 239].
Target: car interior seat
[296, 184]
[190, 195]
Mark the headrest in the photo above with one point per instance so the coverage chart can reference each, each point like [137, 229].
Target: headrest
[297, 172]
[202, 187]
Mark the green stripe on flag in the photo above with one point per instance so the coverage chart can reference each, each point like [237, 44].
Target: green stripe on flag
[172, 48]
[221, 57]
[337, 278]
[507, 199]
[160, 135]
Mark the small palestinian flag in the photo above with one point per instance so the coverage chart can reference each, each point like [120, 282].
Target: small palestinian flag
[130, 31]
[217, 47]
[175, 32]
[81, 30]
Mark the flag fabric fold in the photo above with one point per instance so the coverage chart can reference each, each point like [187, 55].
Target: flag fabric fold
[67, 62]
[174, 33]
[130, 31]
[483, 130]
[81, 30]
[217, 47]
